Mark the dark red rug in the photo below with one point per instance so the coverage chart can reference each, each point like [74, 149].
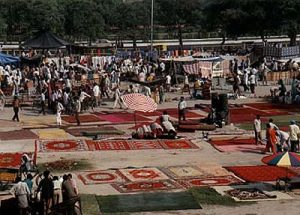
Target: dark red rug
[232, 142]
[274, 106]
[146, 186]
[11, 160]
[122, 117]
[77, 132]
[61, 145]
[99, 145]
[261, 173]
[18, 135]
[209, 181]
[83, 118]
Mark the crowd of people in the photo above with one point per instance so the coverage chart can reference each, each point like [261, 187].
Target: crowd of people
[45, 193]
[277, 140]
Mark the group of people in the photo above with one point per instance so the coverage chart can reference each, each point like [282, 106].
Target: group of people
[46, 192]
[277, 140]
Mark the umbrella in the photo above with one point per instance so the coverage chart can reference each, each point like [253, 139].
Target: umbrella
[139, 102]
[283, 159]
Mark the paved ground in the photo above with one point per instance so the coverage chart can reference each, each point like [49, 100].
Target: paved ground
[204, 156]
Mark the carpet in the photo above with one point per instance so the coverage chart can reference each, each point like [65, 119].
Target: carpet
[144, 144]
[234, 141]
[161, 201]
[145, 186]
[209, 181]
[18, 135]
[83, 118]
[122, 117]
[52, 134]
[150, 114]
[97, 145]
[179, 172]
[10, 160]
[273, 106]
[101, 177]
[240, 148]
[260, 173]
[178, 144]
[61, 145]
[173, 112]
[8, 175]
[77, 132]
[143, 174]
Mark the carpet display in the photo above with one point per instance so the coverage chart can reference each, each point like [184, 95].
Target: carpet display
[145, 186]
[260, 173]
[11, 160]
[209, 181]
[52, 134]
[240, 148]
[144, 144]
[179, 172]
[234, 141]
[122, 118]
[82, 118]
[97, 145]
[101, 177]
[17, 135]
[77, 132]
[249, 194]
[162, 201]
[61, 145]
[178, 144]
[143, 174]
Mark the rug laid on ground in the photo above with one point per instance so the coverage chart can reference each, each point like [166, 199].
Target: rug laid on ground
[101, 177]
[122, 117]
[77, 132]
[17, 135]
[161, 201]
[145, 186]
[83, 118]
[252, 192]
[53, 133]
[10, 160]
[61, 145]
[261, 173]
[233, 141]
[180, 172]
[240, 148]
[173, 112]
[178, 144]
[143, 174]
[209, 181]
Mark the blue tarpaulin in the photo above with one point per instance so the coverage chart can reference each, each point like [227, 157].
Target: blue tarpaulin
[8, 59]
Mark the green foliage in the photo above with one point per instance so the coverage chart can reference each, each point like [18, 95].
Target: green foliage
[92, 19]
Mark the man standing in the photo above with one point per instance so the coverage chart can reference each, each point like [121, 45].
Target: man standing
[77, 110]
[252, 81]
[294, 132]
[271, 139]
[168, 83]
[181, 108]
[59, 109]
[97, 93]
[257, 129]
[22, 193]
[46, 187]
[43, 99]
[16, 106]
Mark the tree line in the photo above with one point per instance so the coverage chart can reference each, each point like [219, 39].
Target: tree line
[118, 20]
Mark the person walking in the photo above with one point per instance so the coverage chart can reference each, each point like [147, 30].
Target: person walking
[59, 110]
[257, 130]
[294, 133]
[271, 139]
[16, 106]
[181, 109]
[118, 99]
[43, 100]
[77, 110]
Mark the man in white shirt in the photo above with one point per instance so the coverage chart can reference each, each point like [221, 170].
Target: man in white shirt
[181, 109]
[257, 130]
[21, 192]
[118, 99]
[294, 132]
[252, 81]
[168, 83]
[97, 93]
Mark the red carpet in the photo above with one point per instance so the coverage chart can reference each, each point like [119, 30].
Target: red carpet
[11, 160]
[269, 106]
[82, 118]
[18, 135]
[131, 187]
[177, 144]
[210, 181]
[232, 142]
[96, 145]
[61, 145]
[260, 173]
[122, 117]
